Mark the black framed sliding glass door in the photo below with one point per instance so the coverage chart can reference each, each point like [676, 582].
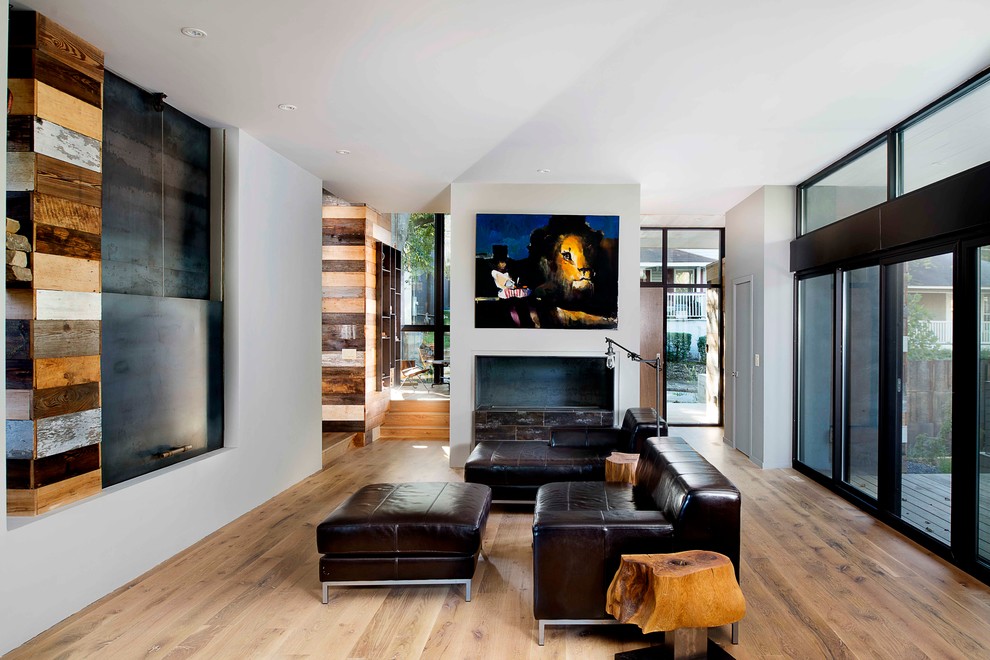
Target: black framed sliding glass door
[861, 379]
[921, 290]
[815, 296]
[901, 223]
[982, 445]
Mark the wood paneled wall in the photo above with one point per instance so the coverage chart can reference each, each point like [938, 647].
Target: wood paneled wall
[351, 397]
[54, 183]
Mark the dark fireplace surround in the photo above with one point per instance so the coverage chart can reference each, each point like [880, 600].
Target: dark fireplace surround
[521, 397]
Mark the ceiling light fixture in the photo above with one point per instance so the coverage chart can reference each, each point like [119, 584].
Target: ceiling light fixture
[287, 106]
[543, 170]
[344, 152]
[193, 32]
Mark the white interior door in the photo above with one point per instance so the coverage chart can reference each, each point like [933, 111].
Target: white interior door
[742, 365]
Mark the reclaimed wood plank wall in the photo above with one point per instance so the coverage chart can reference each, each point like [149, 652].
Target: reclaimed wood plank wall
[351, 400]
[54, 190]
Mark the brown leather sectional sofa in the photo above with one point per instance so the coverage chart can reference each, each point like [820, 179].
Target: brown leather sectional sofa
[581, 528]
[515, 469]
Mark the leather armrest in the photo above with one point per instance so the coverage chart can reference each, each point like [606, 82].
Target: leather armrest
[576, 554]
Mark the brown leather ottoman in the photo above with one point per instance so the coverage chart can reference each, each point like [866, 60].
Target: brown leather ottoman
[404, 534]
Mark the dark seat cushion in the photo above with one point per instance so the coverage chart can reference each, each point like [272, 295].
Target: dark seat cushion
[415, 519]
[514, 463]
[587, 436]
[605, 502]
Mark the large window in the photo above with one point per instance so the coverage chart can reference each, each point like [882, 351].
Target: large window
[950, 136]
[857, 185]
[814, 365]
[861, 378]
[982, 448]
[923, 315]
[424, 241]
[954, 138]
[681, 320]
[901, 369]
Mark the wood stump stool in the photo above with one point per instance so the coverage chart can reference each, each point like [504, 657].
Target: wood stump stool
[621, 467]
[685, 592]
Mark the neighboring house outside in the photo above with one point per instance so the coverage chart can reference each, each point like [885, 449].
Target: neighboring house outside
[933, 283]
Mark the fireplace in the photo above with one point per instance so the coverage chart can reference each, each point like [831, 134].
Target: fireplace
[522, 397]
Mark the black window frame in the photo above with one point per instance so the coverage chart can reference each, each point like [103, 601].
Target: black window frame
[669, 286]
[438, 327]
[893, 137]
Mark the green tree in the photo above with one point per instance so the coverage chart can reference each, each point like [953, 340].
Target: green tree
[416, 240]
[922, 340]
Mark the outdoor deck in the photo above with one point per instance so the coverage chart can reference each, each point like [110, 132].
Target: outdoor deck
[926, 503]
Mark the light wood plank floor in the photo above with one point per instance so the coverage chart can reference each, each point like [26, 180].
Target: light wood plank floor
[822, 580]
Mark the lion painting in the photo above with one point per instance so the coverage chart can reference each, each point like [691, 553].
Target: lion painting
[569, 269]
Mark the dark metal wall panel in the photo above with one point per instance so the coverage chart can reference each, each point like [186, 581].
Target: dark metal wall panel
[186, 145]
[162, 381]
[959, 203]
[162, 337]
[132, 190]
[856, 235]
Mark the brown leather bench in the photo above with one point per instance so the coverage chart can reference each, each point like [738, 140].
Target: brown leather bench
[404, 534]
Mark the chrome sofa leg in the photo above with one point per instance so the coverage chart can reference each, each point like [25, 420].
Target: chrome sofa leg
[467, 591]
[735, 632]
[542, 631]
[326, 593]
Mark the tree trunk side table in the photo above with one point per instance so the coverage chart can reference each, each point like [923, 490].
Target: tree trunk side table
[685, 592]
[621, 467]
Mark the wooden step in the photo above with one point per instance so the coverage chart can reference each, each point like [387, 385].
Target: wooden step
[428, 419]
[417, 419]
[414, 433]
[419, 405]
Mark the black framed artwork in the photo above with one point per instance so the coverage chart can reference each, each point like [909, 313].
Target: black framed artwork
[546, 271]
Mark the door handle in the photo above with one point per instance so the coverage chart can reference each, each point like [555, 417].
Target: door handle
[734, 374]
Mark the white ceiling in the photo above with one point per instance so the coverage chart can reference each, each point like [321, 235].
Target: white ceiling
[699, 102]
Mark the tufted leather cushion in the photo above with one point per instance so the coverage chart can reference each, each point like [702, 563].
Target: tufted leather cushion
[414, 519]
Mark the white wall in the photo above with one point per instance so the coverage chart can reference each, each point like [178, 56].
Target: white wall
[469, 199]
[53, 565]
[757, 235]
[778, 326]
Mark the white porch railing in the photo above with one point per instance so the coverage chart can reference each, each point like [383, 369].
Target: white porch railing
[943, 331]
[686, 305]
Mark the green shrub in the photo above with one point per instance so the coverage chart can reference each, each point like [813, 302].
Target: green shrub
[703, 349]
[678, 346]
[927, 450]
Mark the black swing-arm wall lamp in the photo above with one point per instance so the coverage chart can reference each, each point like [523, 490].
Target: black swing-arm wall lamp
[656, 363]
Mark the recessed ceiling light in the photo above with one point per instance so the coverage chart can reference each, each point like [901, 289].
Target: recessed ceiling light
[543, 170]
[193, 32]
[287, 106]
[343, 152]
